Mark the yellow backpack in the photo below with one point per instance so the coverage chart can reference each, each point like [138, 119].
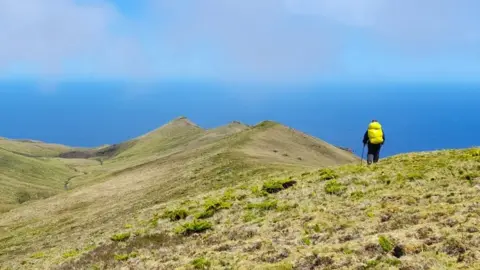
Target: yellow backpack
[375, 133]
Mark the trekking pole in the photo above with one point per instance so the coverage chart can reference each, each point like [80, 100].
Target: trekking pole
[363, 151]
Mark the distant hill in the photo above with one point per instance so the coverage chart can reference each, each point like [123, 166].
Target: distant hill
[88, 193]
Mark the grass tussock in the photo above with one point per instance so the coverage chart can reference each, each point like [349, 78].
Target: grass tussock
[120, 237]
[196, 226]
[274, 186]
[386, 244]
[175, 215]
[201, 263]
[212, 206]
[327, 174]
[335, 188]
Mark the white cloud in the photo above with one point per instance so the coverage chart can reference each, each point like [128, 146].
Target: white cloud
[266, 40]
[42, 37]
[410, 24]
[245, 39]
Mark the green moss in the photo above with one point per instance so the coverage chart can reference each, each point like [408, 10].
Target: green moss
[201, 263]
[71, 254]
[37, 255]
[121, 257]
[175, 215]
[334, 187]
[196, 226]
[211, 206]
[205, 214]
[120, 237]
[327, 174]
[216, 205]
[386, 244]
[274, 186]
[124, 257]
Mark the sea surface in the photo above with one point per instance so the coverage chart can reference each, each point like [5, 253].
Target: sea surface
[415, 117]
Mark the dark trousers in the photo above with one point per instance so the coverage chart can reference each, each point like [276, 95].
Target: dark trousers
[373, 153]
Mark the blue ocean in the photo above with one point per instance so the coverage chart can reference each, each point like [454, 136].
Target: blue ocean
[415, 117]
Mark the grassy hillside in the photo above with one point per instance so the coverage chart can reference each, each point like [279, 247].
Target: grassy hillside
[24, 178]
[32, 148]
[275, 142]
[415, 211]
[177, 161]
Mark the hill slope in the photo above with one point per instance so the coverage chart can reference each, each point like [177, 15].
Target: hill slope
[31, 148]
[176, 161]
[29, 171]
[278, 143]
[413, 211]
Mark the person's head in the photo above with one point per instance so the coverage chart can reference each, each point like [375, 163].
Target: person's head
[373, 121]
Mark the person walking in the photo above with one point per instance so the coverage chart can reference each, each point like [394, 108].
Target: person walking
[375, 138]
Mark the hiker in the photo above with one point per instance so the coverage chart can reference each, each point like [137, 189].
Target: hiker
[375, 137]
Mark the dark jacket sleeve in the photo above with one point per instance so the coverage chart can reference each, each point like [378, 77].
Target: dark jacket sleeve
[383, 137]
[365, 137]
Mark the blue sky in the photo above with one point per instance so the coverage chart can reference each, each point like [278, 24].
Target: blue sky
[266, 41]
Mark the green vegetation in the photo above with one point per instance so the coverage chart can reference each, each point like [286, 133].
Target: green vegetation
[196, 226]
[176, 214]
[274, 186]
[38, 255]
[181, 197]
[71, 254]
[216, 205]
[211, 206]
[268, 204]
[201, 263]
[334, 187]
[124, 257]
[120, 236]
[385, 243]
[327, 174]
